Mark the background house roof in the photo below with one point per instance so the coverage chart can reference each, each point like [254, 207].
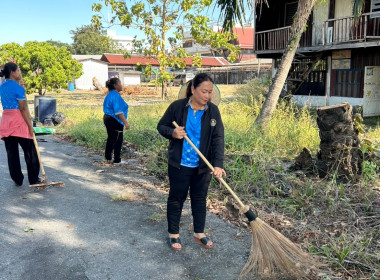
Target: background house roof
[210, 61]
[91, 59]
[247, 57]
[245, 37]
[86, 56]
[118, 59]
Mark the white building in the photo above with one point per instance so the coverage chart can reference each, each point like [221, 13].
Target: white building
[130, 78]
[86, 56]
[92, 68]
[125, 42]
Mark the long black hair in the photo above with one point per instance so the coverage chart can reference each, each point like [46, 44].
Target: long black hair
[110, 84]
[8, 69]
[198, 79]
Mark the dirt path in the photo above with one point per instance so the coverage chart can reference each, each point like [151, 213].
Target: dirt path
[78, 232]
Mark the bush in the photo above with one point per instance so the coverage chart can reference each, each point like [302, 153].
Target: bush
[253, 93]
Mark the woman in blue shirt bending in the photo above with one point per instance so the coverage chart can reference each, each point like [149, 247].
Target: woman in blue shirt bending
[115, 119]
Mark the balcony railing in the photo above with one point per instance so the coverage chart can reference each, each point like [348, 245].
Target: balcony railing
[335, 31]
[277, 39]
[346, 30]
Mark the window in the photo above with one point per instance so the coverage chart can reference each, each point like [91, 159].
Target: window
[290, 11]
[188, 44]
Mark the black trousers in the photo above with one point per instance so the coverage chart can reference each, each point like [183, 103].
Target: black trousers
[30, 155]
[115, 138]
[181, 180]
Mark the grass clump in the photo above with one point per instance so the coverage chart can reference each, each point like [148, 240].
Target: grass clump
[87, 127]
[123, 197]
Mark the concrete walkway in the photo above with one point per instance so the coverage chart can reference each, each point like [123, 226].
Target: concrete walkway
[78, 232]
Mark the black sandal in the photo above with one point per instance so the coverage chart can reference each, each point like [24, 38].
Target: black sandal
[175, 240]
[204, 241]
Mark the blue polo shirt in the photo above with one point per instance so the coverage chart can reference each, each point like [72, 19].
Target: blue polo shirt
[114, 104]
[11, 92]
[190, 158]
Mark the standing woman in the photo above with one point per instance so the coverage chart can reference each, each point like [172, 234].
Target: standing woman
[16, 126]
[200, 120]
[115, 119]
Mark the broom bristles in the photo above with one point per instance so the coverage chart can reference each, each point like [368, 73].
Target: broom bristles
[272, 254]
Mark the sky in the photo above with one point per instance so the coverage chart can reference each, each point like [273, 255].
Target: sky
[42, 20]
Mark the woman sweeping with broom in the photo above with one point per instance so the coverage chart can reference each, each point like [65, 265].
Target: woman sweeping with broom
[200, 120]
[273, 256]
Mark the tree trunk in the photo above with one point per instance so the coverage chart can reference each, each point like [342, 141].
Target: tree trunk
[303, 12]
[163, 68]
[339, 152]
[164, 92]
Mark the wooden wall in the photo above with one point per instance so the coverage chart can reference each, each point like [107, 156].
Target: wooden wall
[365, 57]
[320, 14]
[272, 17]
[343, 8]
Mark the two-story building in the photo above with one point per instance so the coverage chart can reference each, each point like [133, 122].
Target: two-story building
[338, 59]
[245, 37]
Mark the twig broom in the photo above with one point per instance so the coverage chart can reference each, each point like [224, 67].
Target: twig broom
[272, 254]
[44, 182]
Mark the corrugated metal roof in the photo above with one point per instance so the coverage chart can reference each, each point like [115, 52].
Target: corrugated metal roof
[118, 59]
[209, 61]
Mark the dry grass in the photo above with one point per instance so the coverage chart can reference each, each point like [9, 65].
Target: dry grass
[128, 196]
[123, 197]
[338, 222]
[95, 97]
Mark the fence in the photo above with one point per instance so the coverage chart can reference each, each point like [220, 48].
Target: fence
[235, 76]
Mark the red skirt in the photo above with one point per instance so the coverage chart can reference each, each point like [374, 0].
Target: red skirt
[13, 124]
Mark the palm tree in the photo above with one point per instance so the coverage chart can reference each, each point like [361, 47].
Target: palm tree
[303, 13]
[233, 10]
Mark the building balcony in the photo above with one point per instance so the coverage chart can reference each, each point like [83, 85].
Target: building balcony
[346, 30]
[277, 39]
[337, 33]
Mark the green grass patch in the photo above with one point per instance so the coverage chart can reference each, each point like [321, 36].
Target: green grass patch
[250, 152]
[331, 219]
[290, 130]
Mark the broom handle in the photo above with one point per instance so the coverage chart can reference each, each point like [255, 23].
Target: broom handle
[212, 169]
[38, 155]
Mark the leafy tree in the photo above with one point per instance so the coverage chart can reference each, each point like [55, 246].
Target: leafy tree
[60, 44]
[43, 66]
[91, 40]
[235, 9]
[158, 20]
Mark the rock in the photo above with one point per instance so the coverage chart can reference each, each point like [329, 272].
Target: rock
[58, 118]
[304, 160]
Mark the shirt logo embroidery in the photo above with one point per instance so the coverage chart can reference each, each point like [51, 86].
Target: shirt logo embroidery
[213, 122]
